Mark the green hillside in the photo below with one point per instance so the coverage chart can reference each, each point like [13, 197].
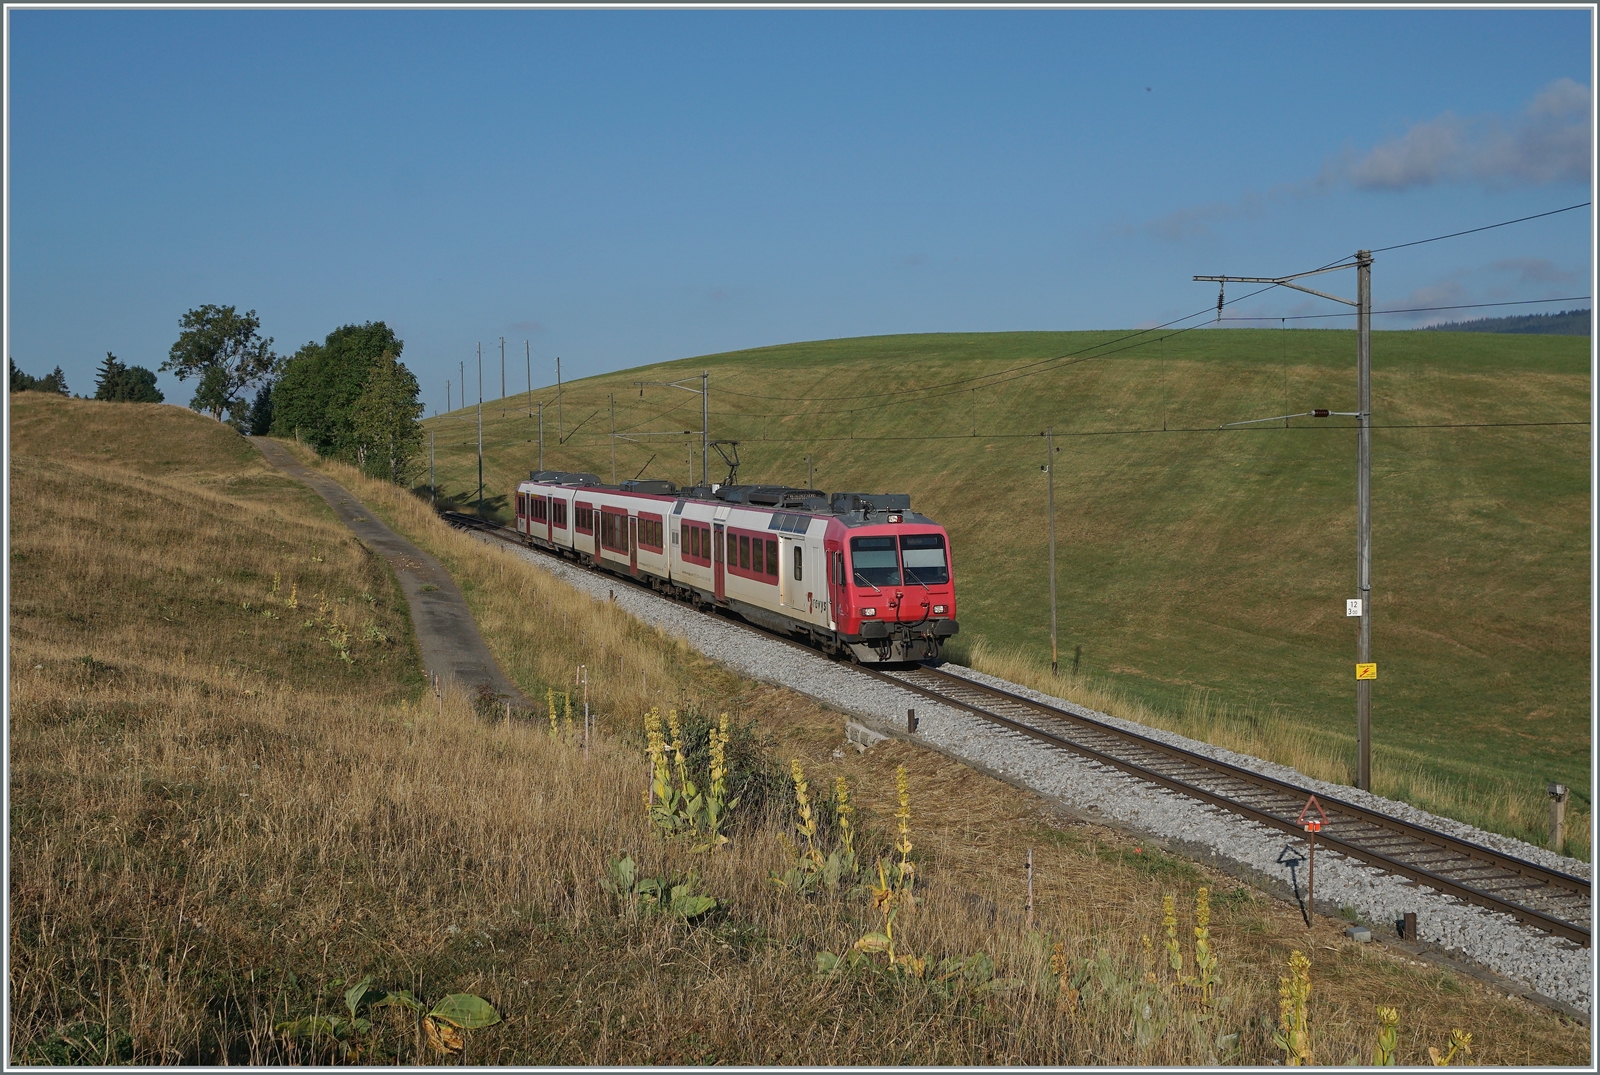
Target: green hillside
[1197, 567]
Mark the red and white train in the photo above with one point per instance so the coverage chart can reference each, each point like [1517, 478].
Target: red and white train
[855, 574]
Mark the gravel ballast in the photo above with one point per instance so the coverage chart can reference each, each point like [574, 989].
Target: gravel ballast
[1550, 966]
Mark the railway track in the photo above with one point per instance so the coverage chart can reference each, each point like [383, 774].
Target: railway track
[1537, 896]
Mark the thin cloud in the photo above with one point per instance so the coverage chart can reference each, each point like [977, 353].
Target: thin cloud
[1535, 270]
[1547, 142]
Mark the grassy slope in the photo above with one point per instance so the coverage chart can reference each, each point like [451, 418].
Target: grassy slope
[1194, 562]
[217, 822]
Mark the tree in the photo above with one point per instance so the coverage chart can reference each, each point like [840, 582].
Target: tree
[54, 381]
[385, 433]
[261, 412]
[224, 349]
[318, 387]
[21, 382]
[125, 384]
[212, 394]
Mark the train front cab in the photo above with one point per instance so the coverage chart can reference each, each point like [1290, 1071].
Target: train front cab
[893, 591]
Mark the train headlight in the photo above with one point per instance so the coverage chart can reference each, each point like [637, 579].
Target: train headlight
[869, 612]
[940, 610]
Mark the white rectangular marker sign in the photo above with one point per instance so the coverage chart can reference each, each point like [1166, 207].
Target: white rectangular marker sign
[1352, 606]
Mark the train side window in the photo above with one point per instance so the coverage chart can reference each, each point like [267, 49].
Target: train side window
[799, 553]
[772, 558]
[758, 562]
[744, 552]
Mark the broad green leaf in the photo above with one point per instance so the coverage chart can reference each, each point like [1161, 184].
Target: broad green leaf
[999, 985]
[692, 906]
[308, 1027]
[873, 942]
[827, 962]
[400, 997]
[355, 994]
[979, 968]
[465, 1011]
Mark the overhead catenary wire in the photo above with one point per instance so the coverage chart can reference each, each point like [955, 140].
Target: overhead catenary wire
[1486, 227]
[1097, 350]
[1415, 309]
[998, 373]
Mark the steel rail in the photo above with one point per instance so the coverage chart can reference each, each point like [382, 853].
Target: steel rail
[1390, 828]
[1328, 837]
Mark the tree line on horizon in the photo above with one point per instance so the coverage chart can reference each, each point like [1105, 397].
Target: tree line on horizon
[348, 397]
[114, 382]
[1564, 323]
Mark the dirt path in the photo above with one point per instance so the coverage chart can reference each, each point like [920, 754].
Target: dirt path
[447, 635]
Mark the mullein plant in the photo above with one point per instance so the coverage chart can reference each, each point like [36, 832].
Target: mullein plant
[1294, 1029]
[1206, 979]
[1388, 1037]
[677, 806]
[1460, 1042]
[906, 871]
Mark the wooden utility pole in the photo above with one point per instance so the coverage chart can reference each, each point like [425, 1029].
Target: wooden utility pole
[561, 429]
[447, 396]
[541, 434]
[527, 354]
[612, 402]
[502, 374]
[480, 430]
[1366, 668]
[433, 490]
[1050, 510]
[811, 474]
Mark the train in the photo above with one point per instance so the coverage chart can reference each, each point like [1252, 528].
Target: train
[860, 576]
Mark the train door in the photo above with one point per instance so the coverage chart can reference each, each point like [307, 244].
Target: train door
[549, 508]
[834, 553]
[785, 576]
[633, 544]
[718, 584]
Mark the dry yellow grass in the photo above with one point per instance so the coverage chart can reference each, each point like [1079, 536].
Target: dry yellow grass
[1514, 809]
[198, 856]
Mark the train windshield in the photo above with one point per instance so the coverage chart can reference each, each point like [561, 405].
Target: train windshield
[924, 559]
[874, 561]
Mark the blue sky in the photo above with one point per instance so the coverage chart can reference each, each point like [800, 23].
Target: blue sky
[619, 187]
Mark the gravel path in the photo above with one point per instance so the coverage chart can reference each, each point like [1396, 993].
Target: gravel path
[447, 636]
[1550, 966]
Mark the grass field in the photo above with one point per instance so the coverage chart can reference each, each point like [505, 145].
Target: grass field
[231, 800]
[1202, 573]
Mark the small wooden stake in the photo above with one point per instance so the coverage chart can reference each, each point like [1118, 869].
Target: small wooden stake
[1409, 929]
[911, 722]
[1558, 817]
[1030, 890]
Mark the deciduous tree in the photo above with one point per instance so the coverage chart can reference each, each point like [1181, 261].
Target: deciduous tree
[387, 438]
[224, 349]
[317, 388]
